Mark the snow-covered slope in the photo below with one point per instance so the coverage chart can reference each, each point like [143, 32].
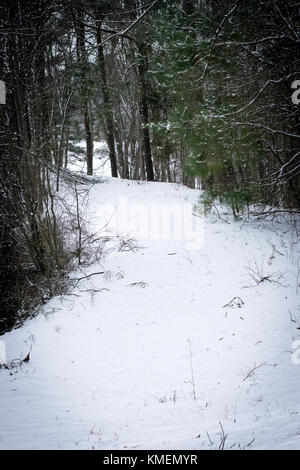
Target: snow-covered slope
[147, 355]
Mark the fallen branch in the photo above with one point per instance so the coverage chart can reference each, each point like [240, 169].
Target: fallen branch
[275, 211]
[86, 277]
[236, 301]
[192, 370]
[250, 443]
[218, 214]
[141, 284]
[223, 437]
[211, 442]
[263, 364]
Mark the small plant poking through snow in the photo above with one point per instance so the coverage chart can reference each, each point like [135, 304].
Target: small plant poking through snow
[236, 302]
[15, 363]
[140, 284]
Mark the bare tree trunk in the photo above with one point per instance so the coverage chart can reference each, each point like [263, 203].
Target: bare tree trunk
[107, 106]
[144, 113]
[88, 138]
[82, 59]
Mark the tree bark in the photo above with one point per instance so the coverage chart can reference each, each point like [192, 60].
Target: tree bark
[107, 106]
[82, 59]
[143, 110]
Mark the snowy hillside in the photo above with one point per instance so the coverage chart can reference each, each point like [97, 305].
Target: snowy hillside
[168, 346]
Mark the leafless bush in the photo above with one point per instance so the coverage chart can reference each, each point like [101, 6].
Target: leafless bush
[42, 235]
[16, 362]
[129, 244]
[258, 275]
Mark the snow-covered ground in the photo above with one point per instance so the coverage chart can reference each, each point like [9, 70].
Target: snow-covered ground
[101, 163]
[147, 356]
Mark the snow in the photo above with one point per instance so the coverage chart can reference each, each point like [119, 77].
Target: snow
[113, 363]
[101, 163]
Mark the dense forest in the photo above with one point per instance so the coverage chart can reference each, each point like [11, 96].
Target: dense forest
[197, 92]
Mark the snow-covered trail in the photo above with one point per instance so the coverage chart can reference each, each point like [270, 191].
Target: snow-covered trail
[111, 363]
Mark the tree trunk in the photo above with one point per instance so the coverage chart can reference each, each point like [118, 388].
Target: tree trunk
[88, 138]
[82, 59]
[107, 106]
[143, 110]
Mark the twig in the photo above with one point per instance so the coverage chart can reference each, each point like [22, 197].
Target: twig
[86, 277]
[223, 437]
[140, 284]
[218, 214]
[192, 370]
[263, 364]
[235, 301]
[259, 277]
[125, 31]
[275, 211]
[253, 370]
[211, 442]
[291, 317]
